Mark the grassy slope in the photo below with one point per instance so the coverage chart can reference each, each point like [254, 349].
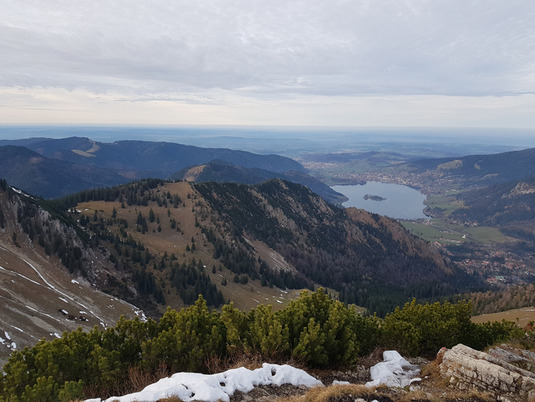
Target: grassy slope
[522, 316]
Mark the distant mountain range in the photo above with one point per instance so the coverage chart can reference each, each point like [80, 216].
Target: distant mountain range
[478, 170]
[150, 159]
[56, 167]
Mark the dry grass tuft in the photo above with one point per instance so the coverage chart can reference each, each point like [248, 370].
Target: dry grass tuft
[250, 361]
[139, 378]
[216, 364]
[321, 394]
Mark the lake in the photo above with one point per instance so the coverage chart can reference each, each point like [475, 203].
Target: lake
[393, 200]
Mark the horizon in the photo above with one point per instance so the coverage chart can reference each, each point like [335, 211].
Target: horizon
[294, 141]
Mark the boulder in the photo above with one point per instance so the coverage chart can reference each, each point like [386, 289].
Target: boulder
[499, 372]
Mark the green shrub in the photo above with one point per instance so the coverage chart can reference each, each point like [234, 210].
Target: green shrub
[314, 329]
[186, 339]
[418, 329]
[323, 331]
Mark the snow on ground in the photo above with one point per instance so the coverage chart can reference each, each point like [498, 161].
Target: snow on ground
[10, 345]
[394, 371]
[214, 387]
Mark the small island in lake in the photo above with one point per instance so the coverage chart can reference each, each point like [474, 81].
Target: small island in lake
[374, 197]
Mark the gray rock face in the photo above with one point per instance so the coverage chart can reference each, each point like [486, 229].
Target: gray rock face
[501, 372]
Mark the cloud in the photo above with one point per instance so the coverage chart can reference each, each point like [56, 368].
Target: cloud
[264, 51]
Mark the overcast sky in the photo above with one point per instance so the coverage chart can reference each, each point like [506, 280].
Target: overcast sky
[252, 62]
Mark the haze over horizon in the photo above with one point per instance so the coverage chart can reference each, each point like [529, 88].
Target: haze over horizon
[384, 63]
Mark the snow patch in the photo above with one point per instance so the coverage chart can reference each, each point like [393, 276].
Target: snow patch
[215, 387]
[63, 300]
[394, 371]
[141, 315]
[7, 335]
[17, 190]
[75, 281]
[336, 382]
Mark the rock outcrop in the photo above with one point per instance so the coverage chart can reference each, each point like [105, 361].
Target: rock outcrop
[502, 372]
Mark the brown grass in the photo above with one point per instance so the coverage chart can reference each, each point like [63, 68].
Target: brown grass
[522, 316]
[321, 394]
[250, 361]
[139, 378]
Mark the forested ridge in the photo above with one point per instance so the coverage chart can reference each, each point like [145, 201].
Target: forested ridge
[133, 272]
[493, 301]
[371, 260]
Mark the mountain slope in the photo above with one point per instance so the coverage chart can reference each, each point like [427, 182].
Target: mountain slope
[360, 254]
[40, 297]
[257, 238]
[49, 178]
[220, 171]
[499, 204]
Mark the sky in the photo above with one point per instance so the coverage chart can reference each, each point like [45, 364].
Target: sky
[347, 63]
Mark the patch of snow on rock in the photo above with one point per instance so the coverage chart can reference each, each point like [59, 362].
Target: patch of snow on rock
[394, 371]
[215, 387]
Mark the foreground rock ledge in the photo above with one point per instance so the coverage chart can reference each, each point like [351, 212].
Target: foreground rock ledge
[469, 369]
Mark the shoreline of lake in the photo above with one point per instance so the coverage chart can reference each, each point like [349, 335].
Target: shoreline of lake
[397, 201]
